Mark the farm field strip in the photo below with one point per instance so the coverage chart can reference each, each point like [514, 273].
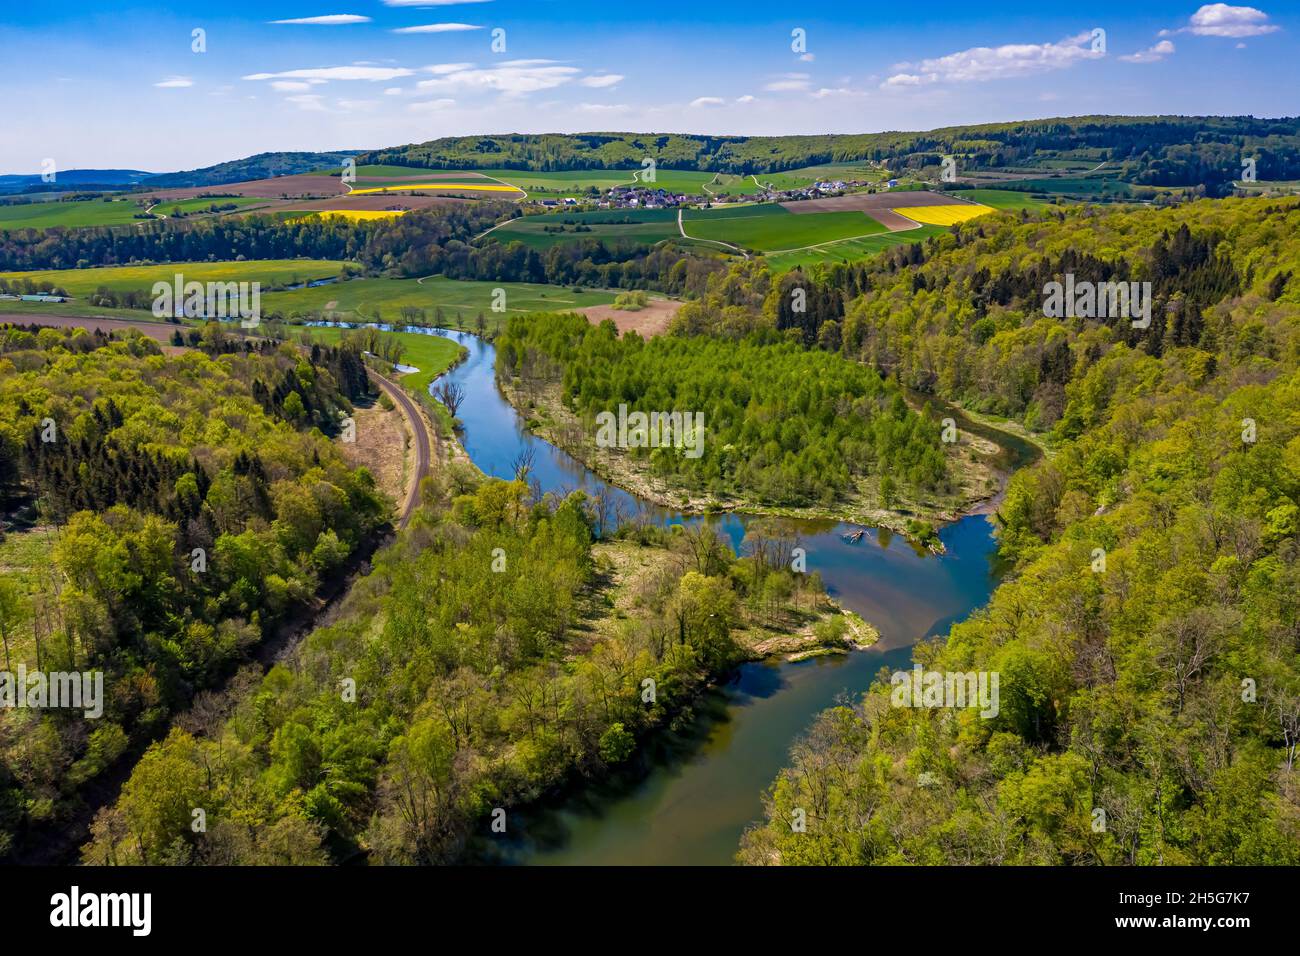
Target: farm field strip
[82, 282]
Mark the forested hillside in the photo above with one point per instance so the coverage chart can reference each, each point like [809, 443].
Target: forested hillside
[1148, 150]
[261, 166]
[168, 513]
[1148, 637]
[493, 654]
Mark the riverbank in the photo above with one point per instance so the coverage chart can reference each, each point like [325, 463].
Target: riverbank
[971, 460]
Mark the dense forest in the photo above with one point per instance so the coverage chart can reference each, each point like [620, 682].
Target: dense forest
[1148, 150]
[174, 511]
[1147, 637]
[782, 425]
[486, 660]
[397, 244]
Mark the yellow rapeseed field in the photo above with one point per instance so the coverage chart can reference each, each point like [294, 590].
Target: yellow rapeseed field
[355, 214]
[948, 215]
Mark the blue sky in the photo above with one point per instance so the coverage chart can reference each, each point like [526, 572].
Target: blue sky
[118, 85]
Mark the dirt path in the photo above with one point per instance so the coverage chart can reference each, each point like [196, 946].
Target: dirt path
[717, 242]
[423, 444]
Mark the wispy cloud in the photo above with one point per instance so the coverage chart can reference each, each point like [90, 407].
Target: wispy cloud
[432, 106]
[787, 82]
[983, 63]
[602, 80]
[1152, 54]
[310, 102]
[513, 77]
[174, 83]
[1222, 20]
[439, 28]
[702, 101]
[372, 73]
[329, 20]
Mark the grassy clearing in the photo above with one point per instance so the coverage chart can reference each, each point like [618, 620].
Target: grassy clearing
[542, 232]
[777, 231]
[850, 250]
[81, 212]
[382, 299]
[269, 272]
[431, 354]
[201, 204]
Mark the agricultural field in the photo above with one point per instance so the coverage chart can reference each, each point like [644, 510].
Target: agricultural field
[1002, 198]
[795, 178]
[450, 185]
[635, 225]
[383, 299]
[269, 272]
[946, 215]
[849, 250]
[198, 204]
[74, 213]
[777, 229]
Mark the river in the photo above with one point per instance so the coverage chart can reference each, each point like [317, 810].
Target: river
[689, 798]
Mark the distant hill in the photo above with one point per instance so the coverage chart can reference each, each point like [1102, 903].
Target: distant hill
[261, 166]
[1147, 150]
[81, 178]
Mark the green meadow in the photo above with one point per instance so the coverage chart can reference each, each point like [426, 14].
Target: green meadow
[269, 272]
[849, 250]
[431, 354]
[779, 228]
[383, 299]
[647, 226]
[74, 213]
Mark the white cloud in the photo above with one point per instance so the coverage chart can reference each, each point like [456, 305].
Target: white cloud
[393, 91]
[1222, 20]
[513, 77]
[174, 83]
[1152, 54]
[603, 108]
[291, 86]
[330, 20]
[431, 106]
[827, 91]
[602, 81]
[747, 98]
[357, 106]
[707, 101]
[439, 28]
[982, 63]
[372, 73]
[787, 83]
[808, 57]
[311, 102]
[441, 69]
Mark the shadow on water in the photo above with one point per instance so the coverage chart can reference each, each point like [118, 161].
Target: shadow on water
[690, 792]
